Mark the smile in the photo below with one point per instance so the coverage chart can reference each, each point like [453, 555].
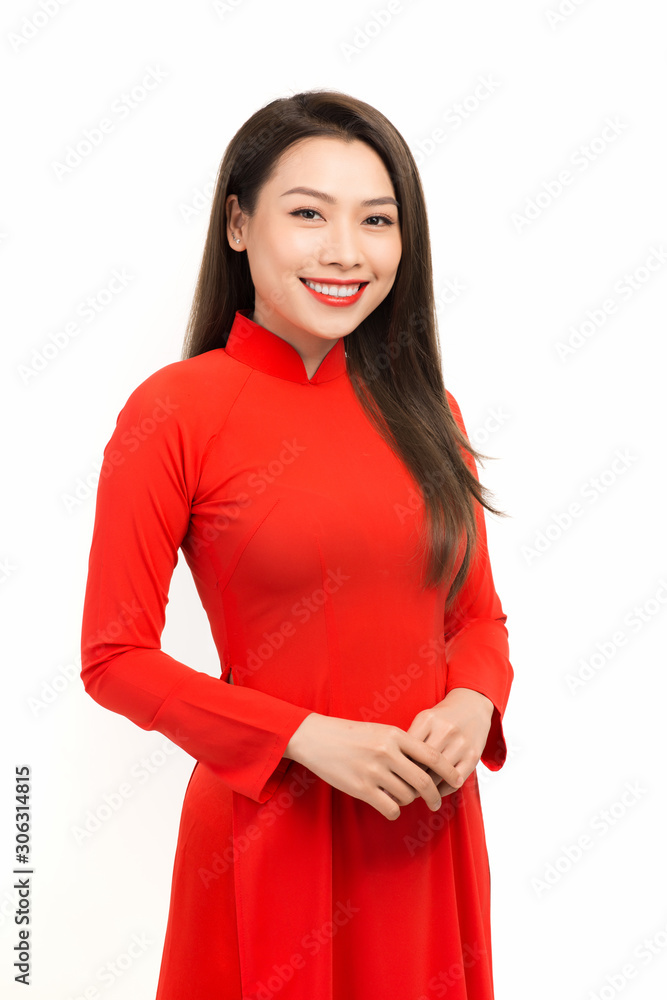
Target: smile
[335, 294]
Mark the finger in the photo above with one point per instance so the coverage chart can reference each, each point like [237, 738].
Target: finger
[420, 729]
[419, 752]
[419, 763]
[436, 777]
[401, 791]
[465, 770]
[446, 789]
[418, 782]
[390, 795]
[385, 804]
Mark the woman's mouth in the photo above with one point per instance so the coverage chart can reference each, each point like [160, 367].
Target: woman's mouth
[335, 293]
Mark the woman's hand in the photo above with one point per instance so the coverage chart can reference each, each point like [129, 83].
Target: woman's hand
[457, 727]
[381, 765]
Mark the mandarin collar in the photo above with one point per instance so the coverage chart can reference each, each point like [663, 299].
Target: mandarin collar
[254, 345]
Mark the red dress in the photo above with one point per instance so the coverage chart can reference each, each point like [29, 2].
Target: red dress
[300, 527]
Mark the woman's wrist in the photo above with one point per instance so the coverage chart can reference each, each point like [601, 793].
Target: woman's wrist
[298, 741]
[472, 694]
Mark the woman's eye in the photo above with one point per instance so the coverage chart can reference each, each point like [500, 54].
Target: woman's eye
[389, 222]
[299, 211]
[313, 211]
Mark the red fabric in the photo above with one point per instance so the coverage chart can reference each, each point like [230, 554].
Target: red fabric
[299, 525]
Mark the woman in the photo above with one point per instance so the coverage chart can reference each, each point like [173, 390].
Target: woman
[306, 458]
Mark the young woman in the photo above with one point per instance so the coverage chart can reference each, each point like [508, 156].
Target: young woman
[305, 457]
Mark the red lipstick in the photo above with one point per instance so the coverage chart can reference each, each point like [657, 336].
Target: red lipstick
[335, 300]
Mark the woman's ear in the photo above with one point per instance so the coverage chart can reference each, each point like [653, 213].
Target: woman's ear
[235, 220]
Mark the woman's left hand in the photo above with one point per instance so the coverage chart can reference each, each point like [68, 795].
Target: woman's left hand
[457, 727]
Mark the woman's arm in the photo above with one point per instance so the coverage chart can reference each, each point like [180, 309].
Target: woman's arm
[466, 726]
[151, 469]
[476, 638]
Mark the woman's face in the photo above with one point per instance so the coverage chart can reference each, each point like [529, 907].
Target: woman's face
[325, 235]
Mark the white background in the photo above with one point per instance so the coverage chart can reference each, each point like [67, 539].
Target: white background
[563, 925]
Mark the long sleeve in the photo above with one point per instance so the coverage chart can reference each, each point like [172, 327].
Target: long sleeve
[151, 468]
[476, 638]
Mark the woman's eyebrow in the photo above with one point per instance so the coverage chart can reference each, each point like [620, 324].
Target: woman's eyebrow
[332, 201]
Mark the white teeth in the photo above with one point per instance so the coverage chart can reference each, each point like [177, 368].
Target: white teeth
[339, 291]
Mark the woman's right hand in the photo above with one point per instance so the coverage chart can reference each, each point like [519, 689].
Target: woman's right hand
[379, 764]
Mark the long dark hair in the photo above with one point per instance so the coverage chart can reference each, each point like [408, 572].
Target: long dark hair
[393, 359]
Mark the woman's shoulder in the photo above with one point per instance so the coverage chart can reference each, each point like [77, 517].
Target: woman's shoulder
[194, 390]
[198, 378]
